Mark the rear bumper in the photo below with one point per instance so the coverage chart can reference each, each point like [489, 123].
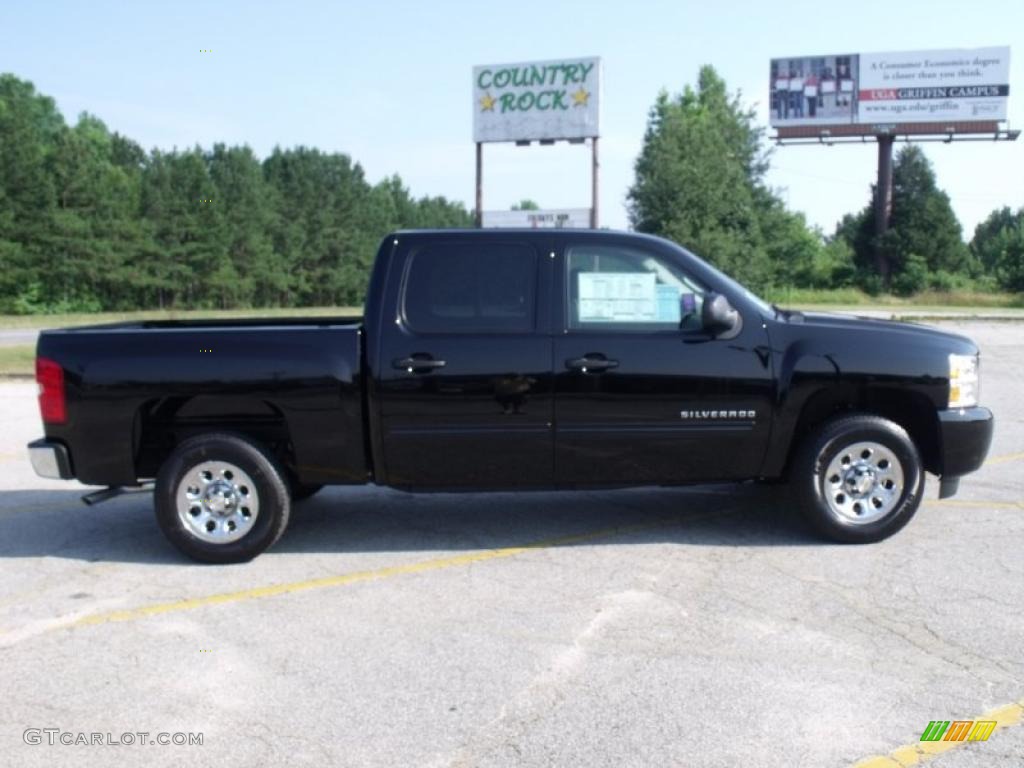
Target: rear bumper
[966, 434]
[50, 459]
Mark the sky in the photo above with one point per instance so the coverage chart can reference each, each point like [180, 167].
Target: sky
[389, 83]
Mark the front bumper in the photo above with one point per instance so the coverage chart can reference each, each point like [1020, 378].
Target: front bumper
[50, 459]
[965, 435]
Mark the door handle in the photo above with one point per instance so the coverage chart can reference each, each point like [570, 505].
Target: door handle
[591, 363]
[417, 364]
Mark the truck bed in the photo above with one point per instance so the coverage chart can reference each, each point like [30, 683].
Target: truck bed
[135, 389]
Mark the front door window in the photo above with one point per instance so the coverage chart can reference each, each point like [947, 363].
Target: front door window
[617, 288]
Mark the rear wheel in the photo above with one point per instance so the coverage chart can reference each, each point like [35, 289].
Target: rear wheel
[859, 479]
[221, 499]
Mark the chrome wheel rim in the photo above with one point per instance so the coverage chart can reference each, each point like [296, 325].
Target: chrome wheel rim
[217, 502]
[863, 483]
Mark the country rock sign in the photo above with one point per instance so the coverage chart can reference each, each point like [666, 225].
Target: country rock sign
[536, 100]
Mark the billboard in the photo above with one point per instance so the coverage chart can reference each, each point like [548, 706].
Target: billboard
[936, 86]
[558, 99]
[564, 218]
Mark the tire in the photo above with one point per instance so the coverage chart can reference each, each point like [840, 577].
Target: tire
[220, 498]
[301, 491]
[858, 479]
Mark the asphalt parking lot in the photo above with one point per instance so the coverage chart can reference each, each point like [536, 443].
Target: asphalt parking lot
[649, 627]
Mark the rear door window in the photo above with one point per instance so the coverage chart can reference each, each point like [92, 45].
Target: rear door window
[469, 288]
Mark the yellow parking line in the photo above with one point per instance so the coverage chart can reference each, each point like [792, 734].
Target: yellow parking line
[353, 578]
[978, 504]
[923, 751]
[411, 568]
[1005, 458]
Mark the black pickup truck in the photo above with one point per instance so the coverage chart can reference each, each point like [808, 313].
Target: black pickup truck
[498, 359]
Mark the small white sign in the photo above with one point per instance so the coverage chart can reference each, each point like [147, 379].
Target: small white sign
[558, 99]
[563, 218]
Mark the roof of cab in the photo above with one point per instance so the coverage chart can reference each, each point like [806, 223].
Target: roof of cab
[532, 231]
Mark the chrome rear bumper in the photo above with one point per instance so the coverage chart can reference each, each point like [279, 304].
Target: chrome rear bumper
[50, 459]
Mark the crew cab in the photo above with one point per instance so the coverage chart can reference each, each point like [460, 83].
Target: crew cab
[512, 359]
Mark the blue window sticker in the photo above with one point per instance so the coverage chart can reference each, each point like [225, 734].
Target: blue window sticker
[668, 304]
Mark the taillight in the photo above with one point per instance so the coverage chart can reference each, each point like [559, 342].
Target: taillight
[52, 404]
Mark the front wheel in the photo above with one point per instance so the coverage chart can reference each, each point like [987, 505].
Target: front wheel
[859, 479]
[221, 499]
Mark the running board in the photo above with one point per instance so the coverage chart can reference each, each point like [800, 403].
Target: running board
[107, 494]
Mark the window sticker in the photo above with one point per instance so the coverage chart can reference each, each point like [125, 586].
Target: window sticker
[668, 304]
[618, 297]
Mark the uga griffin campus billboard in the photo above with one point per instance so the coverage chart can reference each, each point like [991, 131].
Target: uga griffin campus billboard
[937, 86]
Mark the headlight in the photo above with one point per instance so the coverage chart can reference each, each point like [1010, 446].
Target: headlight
[963, 381]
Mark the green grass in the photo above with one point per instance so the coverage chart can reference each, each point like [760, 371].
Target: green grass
[92, 318]
[930, 300]
[840, 298]
[18, 361]
[803, 298]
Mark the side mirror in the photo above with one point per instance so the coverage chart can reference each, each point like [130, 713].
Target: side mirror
[718, 315]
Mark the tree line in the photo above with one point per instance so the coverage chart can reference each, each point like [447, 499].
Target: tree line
[89, 220]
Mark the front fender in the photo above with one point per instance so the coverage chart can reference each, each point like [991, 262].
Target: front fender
[808, 372]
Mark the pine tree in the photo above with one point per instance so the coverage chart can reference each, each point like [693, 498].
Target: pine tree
[923, 246]
[29, 128]
[998, 247]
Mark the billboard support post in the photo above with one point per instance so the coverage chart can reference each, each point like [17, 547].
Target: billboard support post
[883, 203]
[595, 167]
[479, 184]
